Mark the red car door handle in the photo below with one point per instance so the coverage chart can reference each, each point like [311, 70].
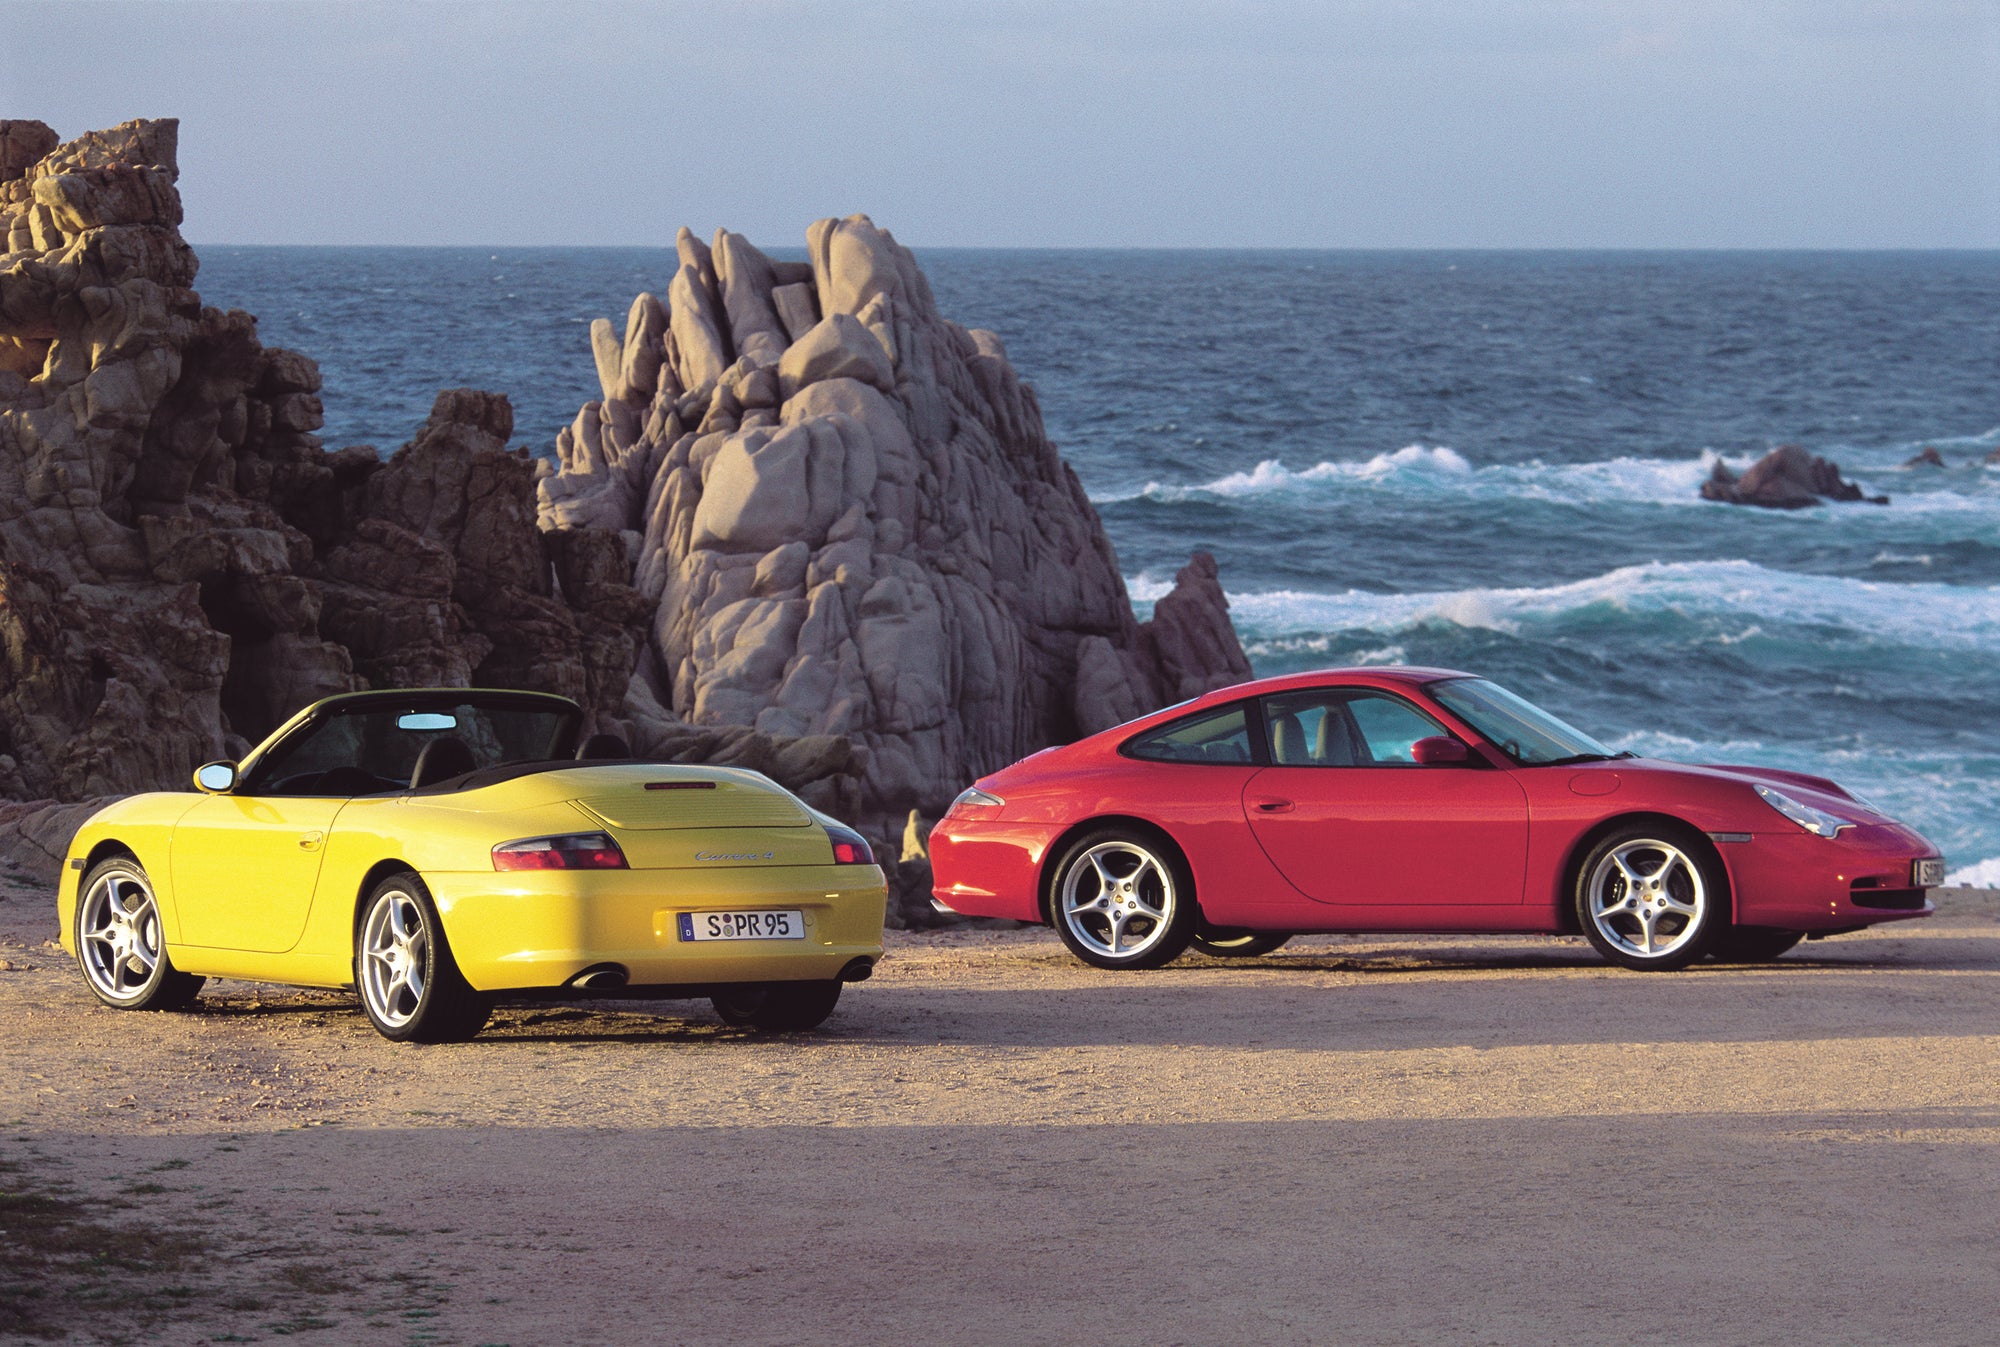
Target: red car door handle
[1273, 806]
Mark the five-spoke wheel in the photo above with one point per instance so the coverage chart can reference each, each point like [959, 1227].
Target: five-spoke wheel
[1121, 900]
[119, 942]
[410, 986]
[1649, 897]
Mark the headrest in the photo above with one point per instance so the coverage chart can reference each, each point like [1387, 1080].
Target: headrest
[603, 746]
[441, 760]
[1337, 746]
[1288, 741]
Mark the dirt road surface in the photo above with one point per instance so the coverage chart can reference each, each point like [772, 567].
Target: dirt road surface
[1356, 1141]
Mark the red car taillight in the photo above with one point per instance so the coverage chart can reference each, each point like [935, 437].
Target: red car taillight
[571, 851]
[849, 847]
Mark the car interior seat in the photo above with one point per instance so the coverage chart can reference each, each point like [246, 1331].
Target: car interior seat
[1288, 741]
[603, 747]
[1338, 745]
[441, 760]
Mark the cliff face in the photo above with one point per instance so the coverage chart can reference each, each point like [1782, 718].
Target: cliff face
[182, 564]
[812, 527]
[848, 520]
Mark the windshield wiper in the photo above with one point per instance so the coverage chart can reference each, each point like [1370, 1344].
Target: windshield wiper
[1574, 758]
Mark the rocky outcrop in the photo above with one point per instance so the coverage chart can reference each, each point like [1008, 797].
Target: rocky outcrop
[848, 521]
[182, 564]
[1787, 478]
[811, 527]
[1927, 457]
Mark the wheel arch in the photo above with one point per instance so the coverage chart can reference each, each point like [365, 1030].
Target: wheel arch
[1572, 865]
[1045, 882]
[374, 875]
[106, 847]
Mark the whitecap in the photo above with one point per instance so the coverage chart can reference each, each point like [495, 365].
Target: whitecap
[1982, 875]
[1429, 471]
[1928, 615]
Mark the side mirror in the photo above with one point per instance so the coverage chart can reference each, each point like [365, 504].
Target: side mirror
[216, 778]
[1439, 751]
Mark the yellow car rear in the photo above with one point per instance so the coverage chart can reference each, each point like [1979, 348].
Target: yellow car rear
[539, 875]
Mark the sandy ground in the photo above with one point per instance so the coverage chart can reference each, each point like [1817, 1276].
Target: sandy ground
[1354, 1140]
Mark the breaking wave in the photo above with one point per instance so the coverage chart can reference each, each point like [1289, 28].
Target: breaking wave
[1754, 598]
[1439, 471]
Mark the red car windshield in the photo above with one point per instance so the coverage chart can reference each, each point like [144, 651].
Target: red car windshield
[1516, 726]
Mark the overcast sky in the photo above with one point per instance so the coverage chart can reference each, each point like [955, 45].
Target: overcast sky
[1343, 123]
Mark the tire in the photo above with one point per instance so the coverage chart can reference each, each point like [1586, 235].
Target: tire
[121, 945]
[778, 1007]
[1752, 944]
[1113, 880]
[1651, 896]
[410, 986]
[1233, 942]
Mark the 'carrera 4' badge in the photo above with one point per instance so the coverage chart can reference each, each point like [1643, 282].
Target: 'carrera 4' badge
[735, 855]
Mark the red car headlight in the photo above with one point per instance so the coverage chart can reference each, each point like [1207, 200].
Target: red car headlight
[570, 851]
[849, 847]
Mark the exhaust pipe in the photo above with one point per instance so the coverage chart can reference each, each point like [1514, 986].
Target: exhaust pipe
[858, 969]
[604, 977]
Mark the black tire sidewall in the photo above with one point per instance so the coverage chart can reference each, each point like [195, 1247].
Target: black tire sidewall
[1253, 944]
[1181, 923]
[1752, 944]
[1715, 914]
[778, 1007]
[449, 1010]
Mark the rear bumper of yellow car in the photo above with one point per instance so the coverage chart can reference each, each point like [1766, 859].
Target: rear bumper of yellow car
[540, 929]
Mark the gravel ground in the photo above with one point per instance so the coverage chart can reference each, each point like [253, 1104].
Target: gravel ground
[1362, 1141]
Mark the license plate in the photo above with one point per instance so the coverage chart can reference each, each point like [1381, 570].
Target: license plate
[743, 925]
[1927, 874]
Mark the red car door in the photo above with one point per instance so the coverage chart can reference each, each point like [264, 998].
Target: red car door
[1349, 817]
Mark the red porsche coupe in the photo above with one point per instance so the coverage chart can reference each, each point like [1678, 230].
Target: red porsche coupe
[1400, 799]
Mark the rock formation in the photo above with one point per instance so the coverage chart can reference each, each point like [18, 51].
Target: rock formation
[1927, 457]
[848, 520]
[182, 564]
[1787, 478]
[811, 527]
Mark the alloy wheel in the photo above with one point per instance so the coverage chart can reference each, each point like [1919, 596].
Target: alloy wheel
[1118, 900]
[118, 934]
[394, 958]
[1647, 899]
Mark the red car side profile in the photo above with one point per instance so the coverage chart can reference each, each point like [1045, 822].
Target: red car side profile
[1405, 800]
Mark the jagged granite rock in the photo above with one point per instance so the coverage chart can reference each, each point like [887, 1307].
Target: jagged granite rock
[182, 564]
[1787, 478]
[849, 522]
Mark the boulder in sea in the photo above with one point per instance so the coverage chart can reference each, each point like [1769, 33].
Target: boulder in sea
[850, 522]
[1928, 457]
[1787, 478]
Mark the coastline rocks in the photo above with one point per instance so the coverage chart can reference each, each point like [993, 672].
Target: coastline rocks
[1929, 457]
[811, 527]
[1787, 478]
[850, 523]
[183, 565]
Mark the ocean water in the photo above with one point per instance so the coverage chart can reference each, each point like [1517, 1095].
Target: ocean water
[1481, 460]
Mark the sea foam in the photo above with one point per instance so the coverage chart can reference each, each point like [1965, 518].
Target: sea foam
[1965, 617]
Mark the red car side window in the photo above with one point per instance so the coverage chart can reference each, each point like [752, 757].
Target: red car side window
[1343, 727]
[1212, 736]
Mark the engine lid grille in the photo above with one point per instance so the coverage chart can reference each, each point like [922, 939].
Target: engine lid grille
[716, 804]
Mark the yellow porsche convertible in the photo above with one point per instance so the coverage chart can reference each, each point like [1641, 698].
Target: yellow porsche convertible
[434, 849]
